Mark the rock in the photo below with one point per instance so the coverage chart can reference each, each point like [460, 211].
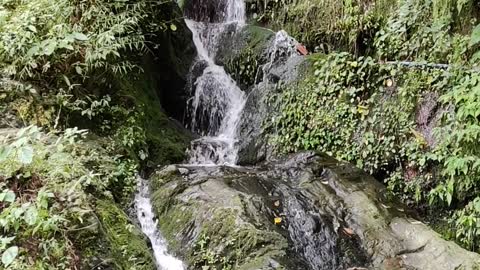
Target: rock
[183, 171]
[211, 11]
[333, 216]
[119, 239]
[424, 246]
[262, 62]
[168, 70]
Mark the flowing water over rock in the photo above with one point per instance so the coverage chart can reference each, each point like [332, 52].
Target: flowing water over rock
[148, 222]
[306, 211]
[217, 101]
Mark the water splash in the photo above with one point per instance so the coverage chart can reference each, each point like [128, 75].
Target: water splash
[217, 103]
[143, 207]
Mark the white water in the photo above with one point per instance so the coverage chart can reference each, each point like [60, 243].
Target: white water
[218, 102]
[143, 207]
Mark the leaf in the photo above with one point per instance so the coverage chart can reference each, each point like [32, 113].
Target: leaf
[31, 215]
[475, 57]
[33, 51]
[277, 220]
[475, 37]
[26, 155]
[449, 199]
[32, 28]
[173, 27]
[5, 153]
[9, 255]
[78, 69]
[4, 241]
[80, 36]
[7, 196]
[50, 48]
[67, 81]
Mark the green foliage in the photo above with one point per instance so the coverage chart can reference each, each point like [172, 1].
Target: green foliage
[466, 222]
[414, 33]
[376, 134]
[59, 60]
[372, 113]
[350, 25]
[62, 64]
[67, 37]
[49, 182]
[245, 67]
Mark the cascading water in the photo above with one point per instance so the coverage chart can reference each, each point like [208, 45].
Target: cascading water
[216, 109]
[217, 103]
[145, 216]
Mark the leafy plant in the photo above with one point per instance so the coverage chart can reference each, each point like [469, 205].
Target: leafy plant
[48, 184]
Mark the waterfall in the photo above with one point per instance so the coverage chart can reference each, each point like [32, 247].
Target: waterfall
[216, 108]
[217, 103]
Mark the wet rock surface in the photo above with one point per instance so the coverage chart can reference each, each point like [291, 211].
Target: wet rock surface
[306, 211]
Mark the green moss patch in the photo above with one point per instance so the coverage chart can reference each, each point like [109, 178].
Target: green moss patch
[128, 246]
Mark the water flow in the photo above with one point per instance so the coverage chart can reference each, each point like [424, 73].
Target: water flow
[148, 223]
[217, 101]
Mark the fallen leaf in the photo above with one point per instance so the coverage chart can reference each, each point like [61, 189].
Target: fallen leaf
[348, 231]
[277, 220]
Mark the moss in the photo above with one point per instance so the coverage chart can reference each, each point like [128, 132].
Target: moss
[235, 245]
[167, 175]
[257, 37]
[166, 141]
[127, 245]
[176, 220]
[326, 23]
[174, 216]
[244, 62]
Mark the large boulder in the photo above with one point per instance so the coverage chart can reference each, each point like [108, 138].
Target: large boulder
[307, 211]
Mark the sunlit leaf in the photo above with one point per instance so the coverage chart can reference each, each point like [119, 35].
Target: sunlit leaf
[80, 36]
[7, 196]
[9, 255]
[25, 155]
[31, 215]
[475, 37]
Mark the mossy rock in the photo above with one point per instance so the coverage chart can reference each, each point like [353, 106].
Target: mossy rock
[238, 245]
[245, 53]
[205, 224]
[166, 139]
[128, 247]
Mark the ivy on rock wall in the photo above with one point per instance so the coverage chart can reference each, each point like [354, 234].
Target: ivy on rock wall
[406, 111]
